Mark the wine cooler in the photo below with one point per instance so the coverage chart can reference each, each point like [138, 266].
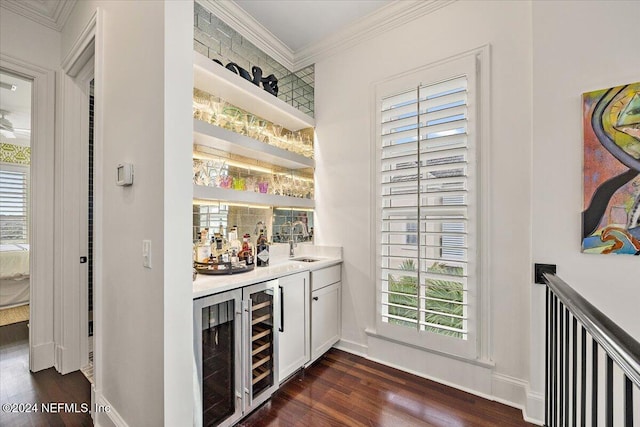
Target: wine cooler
[237, 351]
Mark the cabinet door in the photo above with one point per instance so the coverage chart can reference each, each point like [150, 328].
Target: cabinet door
[325, 319]
[294, 324]
[217, 328]
[261, 307]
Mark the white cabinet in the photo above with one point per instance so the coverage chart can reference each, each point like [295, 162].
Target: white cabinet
[325, 310]
[294, 324]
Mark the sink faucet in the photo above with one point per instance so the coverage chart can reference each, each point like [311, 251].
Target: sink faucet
[302, 225]
[260, 227]
[291, 246]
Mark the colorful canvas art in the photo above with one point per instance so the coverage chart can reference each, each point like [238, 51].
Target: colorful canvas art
[611, 216]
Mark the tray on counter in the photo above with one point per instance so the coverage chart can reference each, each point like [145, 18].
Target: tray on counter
[206, 268]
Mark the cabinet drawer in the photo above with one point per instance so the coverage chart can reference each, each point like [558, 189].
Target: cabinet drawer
[325, 277]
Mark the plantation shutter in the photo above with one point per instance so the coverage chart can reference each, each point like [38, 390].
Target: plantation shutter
[13, 206]
[425, 192]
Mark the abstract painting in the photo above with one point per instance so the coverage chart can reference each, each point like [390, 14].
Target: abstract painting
[611, 216]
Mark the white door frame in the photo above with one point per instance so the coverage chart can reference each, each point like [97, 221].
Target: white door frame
[71, 305]
[41, 201]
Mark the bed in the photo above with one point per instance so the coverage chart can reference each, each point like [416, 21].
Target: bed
[14, 275]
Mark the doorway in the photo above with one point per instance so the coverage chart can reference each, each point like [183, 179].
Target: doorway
[15, 203]
[87, 368]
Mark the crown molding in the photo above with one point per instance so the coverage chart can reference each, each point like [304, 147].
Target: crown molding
[38, 12]
[384, 19]
[252, 30]
[393, 15]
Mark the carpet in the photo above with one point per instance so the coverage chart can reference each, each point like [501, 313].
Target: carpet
[12, 315]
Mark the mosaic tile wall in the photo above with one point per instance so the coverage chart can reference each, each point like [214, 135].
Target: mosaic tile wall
[216, 40]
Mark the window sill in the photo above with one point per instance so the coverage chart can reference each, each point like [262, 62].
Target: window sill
[485, 363]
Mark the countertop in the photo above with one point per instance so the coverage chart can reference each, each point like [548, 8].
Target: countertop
[205, 285]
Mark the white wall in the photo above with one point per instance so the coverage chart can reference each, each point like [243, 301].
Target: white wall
[578, 46]
[143, 116]
[344, 123]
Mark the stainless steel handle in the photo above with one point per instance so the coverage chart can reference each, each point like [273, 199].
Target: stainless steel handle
[249, 370]
[239, 359]
[281, 309]
[246, 354]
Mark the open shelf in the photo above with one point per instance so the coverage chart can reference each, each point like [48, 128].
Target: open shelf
[249, 197]
[216, 79]
[222, 139]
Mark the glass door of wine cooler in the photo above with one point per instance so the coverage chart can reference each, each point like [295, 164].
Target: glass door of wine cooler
[261, 304]
[218, 319]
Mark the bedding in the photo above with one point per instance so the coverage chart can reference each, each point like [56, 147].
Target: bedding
[14, 275]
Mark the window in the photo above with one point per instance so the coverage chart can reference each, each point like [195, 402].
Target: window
[427, 213]
[14, 199]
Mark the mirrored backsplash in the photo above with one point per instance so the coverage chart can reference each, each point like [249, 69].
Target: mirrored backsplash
[279, 225]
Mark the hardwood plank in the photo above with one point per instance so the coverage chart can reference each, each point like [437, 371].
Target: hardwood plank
[19, 385]
[342, 389]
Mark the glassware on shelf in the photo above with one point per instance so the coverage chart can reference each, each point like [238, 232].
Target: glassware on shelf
[216, 111]
[201, 106]
[277, 184]
[263, 186]
[200, 175]
[215, 168]
[225, 181]
[252, 184]
[239, 184]
[217, 107]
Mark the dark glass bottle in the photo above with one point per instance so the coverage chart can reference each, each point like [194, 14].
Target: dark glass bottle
[262, 252]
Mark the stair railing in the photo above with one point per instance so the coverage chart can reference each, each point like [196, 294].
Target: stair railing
[592, 366]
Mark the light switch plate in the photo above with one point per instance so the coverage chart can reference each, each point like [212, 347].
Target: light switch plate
[146, 253]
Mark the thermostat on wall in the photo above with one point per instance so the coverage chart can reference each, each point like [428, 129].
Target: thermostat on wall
[124, 175]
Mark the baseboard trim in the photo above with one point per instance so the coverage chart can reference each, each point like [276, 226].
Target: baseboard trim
[42, 356]
[534, 411]
[352, 347]
[108, 416]
[516, 393]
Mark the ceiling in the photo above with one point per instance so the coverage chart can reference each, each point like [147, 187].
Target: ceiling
[299, 23]
[17, 104]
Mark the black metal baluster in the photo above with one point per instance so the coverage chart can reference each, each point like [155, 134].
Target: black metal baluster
[573, 371]
[609, 395]
[628, 402]
[554, 330]
[583, 381]
[566, 367]
[547, 355]
[561, 363]
[594, 384]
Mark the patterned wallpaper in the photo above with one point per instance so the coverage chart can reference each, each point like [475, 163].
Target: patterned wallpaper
[16, 154]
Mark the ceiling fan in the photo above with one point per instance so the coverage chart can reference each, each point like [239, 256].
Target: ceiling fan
[6, 127]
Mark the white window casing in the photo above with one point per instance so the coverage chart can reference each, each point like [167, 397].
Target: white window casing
[429, 207]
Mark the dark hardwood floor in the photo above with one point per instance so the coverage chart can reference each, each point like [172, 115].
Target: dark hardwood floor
[342, 389]
[19, 385]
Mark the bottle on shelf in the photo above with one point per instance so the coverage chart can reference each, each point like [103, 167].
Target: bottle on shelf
[246, 253]
[203, 248]
[262, 252]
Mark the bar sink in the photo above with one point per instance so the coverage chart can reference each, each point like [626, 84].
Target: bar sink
[304, 259]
